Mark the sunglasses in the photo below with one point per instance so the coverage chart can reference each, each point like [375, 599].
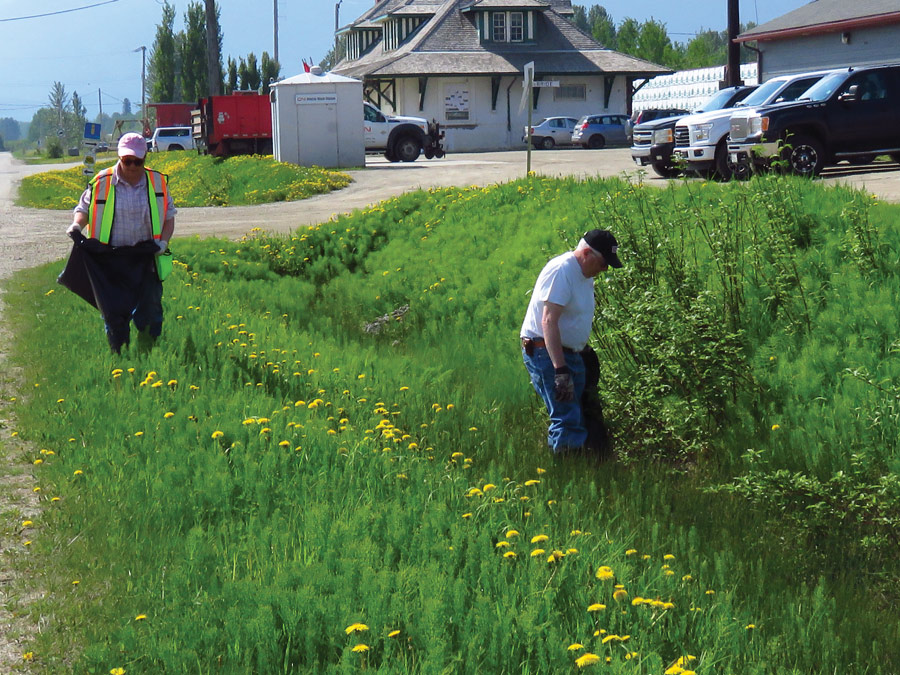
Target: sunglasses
[132, 161]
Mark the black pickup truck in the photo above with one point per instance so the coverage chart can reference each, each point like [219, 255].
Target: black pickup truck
[849, 114]
[654, 142]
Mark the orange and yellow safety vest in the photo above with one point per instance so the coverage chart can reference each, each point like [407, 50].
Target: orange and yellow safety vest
[102, 211]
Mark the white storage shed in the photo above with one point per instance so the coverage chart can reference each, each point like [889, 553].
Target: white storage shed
[317, 120]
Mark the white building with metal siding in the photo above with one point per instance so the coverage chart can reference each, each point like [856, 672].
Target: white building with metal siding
[828, 34]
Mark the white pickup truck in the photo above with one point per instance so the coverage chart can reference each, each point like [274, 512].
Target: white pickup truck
[702, 140]
[401, 138]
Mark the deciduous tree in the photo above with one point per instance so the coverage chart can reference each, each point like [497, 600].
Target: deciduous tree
[163, 58]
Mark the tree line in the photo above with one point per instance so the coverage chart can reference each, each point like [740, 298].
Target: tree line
[179, 69]
[650, 40]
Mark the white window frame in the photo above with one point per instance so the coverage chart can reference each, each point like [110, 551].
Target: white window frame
[511, 24]
[498, 26]
[565, 92]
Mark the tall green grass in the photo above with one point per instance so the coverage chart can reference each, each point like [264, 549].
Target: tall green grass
[197, 180]
[336, 429]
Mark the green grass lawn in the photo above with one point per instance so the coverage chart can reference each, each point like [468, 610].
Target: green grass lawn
[276, 488]
[196, 180]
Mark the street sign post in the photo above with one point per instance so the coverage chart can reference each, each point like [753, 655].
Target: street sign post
[527, 85]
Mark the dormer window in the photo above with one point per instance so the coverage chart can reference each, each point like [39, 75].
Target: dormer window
[508, 26]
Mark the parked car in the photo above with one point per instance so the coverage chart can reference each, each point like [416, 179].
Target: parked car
[598, 131]
[650, 114]
[653, 142]
[702, 140]
[171, 138]
[550, 132]
[848, 114]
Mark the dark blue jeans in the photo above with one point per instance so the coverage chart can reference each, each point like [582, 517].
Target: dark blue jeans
[147, 315]
[567, 430]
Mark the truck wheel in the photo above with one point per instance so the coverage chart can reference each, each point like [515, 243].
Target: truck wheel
[546, 143]
[429, 152]
[665, 170]
[804, 155]
[407, 149]
[721, 165]
[596, 142]
[175, 146]
[390, 156]
[438, 153]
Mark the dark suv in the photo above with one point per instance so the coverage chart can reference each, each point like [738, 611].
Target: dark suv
[650, 114]
[848, 114]
[654, 142]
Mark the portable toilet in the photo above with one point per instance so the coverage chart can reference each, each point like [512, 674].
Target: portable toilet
[317, 120]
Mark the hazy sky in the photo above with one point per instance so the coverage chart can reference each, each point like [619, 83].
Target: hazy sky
[91, 50]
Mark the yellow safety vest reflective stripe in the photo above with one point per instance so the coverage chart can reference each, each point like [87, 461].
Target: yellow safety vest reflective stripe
[102, 210]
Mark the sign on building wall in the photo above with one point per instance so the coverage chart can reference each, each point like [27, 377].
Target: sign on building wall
[316, 99]
[456, 102]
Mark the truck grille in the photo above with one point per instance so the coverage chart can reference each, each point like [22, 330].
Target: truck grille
[682, 137]
[642, 137]
[740, 128]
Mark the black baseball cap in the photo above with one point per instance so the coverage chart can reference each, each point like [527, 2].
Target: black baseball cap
[604, 243]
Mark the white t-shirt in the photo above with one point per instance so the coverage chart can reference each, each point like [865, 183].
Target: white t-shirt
[562, 283]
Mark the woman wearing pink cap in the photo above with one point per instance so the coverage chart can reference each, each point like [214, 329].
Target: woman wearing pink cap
[127, 210]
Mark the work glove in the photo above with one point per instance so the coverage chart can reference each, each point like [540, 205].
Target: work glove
[163, 245]
[564, 386]
[73, 228]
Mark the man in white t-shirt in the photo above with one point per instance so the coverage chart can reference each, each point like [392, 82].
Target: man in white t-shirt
[556, 329]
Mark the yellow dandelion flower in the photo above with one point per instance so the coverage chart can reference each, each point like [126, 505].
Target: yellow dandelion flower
[217, 434]
[669, 573]
[26, 523]
[393, 633]
[138, 434]
[467, 515]
[473, 428]
[117, 671]
[596, 607]
[574, 533]
[620, 594]
[555, 556]
[78, 472]
[538, 538]
[537, 552]
[540, 470]
[355, 628]
[76, 582]
[38, 461]
[512, 533]
[750, 626]
[570, 551]
[631, 551]
[668, 556]
[510, 554]
[710, 592]
[501, 544]
[575, 646]
[605, 573]
[776, 427]
[529, 483]
[687, 577]
[172, 383]
[28, 656]
[169, 415]
[587, 659]
[489, 487]
[361, 648]
[140, 617]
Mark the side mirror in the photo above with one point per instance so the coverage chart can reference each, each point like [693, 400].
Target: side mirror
[849, 95]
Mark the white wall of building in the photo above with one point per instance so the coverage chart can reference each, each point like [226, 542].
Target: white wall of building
[447, 98]
[863, 47]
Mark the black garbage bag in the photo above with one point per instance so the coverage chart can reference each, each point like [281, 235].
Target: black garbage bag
[108, 277]
[598, 440]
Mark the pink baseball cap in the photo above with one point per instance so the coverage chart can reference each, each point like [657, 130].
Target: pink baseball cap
[133, 145]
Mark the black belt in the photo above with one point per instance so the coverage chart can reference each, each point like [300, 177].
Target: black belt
[528, 344]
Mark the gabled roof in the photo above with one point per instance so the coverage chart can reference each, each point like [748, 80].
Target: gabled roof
[826, 16]
[449, 43]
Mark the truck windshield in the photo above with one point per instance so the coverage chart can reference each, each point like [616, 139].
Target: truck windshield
[723, 99]
[824, 87]
[762, 95]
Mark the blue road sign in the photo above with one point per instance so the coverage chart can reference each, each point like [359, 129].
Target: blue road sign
[92, 131]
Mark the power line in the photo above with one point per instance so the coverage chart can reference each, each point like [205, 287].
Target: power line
[62, 11]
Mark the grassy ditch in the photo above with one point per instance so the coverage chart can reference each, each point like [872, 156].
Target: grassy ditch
[334, 458]
[197, 180]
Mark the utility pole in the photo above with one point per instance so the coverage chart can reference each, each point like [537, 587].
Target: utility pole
[733, 69]
[276, 32]
[144, 121]
[213, 58]
[337, 26]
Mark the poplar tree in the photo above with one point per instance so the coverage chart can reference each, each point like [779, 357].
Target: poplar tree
[231, 83]
[163, 58]
[192, 49]
[269, 70]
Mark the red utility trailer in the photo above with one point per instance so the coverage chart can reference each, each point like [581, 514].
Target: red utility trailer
[239, 124]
